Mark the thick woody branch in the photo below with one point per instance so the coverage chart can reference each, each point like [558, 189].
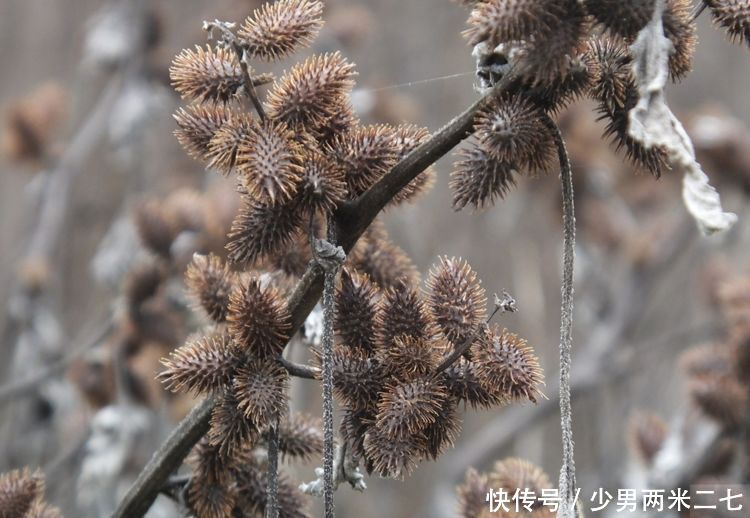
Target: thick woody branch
[350, 221]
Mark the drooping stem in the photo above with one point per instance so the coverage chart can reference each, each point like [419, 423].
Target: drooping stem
[567, 488]
[272, 491]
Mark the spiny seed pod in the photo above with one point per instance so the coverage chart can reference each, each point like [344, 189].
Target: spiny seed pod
[723, 398]
[653, 160]
[472, 495]
[204, 365]
[681, 30]
[210, 281]
[457, 301]
[511, 474]
[613, 76]
[342, 120]
[322, 186]
[277, 29]
[410, 358]
[357, 378]
[364, 154]
[142, 283]
[407, 137]
[269, 163]
[478, 179]
[507, 365]
[223, 146]
[209, 497]
[498, 21]
[356, 307]
[393, 457]
[624, 19]
[647, 432]
[197, 125]
[260, 389]
[252, 484]
[573, 83]
[155, 227]
[405, 409]
[261, 230]
[258, 319]
[18, 491]
[207, 75]
[309, 93]
[386, 264]
[43, 510]
[292, 261]
[733, 16]
[463, 385]
[512, 130]
[442, 434]
[231, 430]
[402, 312]
[300, 437]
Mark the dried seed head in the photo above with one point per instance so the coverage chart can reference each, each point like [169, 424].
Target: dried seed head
[405, 409]
[203, 365]
[681, 30]
[322, 187]
[653, 160]
[512, 474]
[300, 437]
[472, 495]
[43, 510]
[210, 281]
[623, 19]
[410, 358]
[647, 432]
[156, 229]
[197, 125]
[209, 497]
[511, 130]
[207, 75]
[261, 230]
[355, 425]
[442, 434]
[141, 283]
[498, 21]
[457, 300]
[507, 365]
[231, 430]
[356, 306]
[223, 146]
[478, 178]
[734, 17]
[402, 313]
[292, 261]
[722, 398]
[407, 138]
[278, 29]
[464, 386]
[342, 120]
[393, 457]
[386, 264]
[19, 489]
[260, 389]
[208, 463]
[269, 163]
[308, 95]
[613, 76]
[252, 486]
[364, 154]
[357, 378]
[258, 319]
[572, 84]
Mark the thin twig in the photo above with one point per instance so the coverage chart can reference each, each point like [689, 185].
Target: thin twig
[568, 469]
[350, 221]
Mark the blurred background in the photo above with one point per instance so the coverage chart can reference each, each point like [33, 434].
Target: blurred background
[87, 141]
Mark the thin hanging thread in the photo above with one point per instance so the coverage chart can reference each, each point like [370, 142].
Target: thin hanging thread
[413, 83]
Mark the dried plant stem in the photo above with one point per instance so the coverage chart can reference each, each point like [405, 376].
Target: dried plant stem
[568, 470]
[350, 222]
[249, 84]
[272, 500]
